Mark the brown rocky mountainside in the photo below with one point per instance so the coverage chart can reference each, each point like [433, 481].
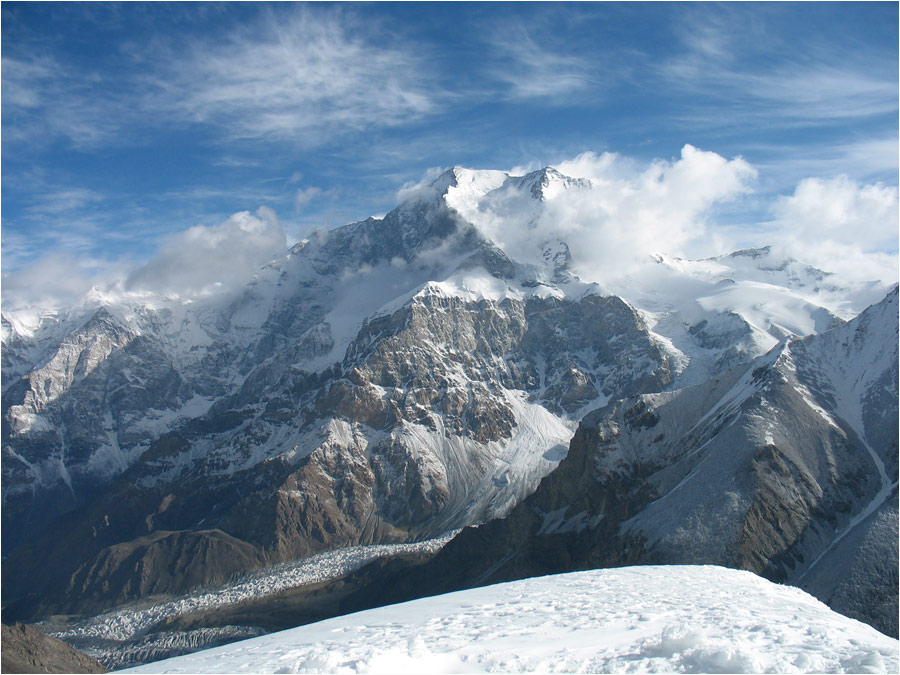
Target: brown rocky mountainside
[709, 475]
[25, 649]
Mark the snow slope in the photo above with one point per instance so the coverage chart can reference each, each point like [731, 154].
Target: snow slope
[634, 619]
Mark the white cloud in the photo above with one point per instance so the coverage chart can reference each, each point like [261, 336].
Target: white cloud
[44, 100]
[56, 279]
[522, 169]
[203, 258]
[841, 226]
[304, 196]
[865, 159]
[300, 75]
[291, 73]
[814, 81]
[836, 224]
[418, 189]
[63, 201]
[532, 69]
[631, 211]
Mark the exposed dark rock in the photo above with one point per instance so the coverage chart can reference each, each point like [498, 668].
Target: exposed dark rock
[26, 649]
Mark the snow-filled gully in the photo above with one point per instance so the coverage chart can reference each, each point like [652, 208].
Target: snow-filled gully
[883, 493]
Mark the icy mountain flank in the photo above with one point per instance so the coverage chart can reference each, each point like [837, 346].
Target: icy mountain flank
[382, 382]
[633, 619]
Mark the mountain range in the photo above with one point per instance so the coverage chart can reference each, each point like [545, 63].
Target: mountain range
[400, 377]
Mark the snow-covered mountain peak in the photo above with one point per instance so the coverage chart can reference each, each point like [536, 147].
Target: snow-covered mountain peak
[435, 359]
[755, 253]
[463, 189]
[776, 267]
[547, 183]
[484, 197]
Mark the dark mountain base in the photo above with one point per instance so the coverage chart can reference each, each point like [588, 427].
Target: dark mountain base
[26, 649]
[216, 626]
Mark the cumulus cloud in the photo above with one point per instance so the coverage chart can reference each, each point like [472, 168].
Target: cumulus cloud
[630, 212]
[209, 257]
[840, 226]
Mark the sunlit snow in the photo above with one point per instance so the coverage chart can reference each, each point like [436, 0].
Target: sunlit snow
[635, 619]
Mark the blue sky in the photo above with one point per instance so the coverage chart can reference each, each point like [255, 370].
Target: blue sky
[125, 125]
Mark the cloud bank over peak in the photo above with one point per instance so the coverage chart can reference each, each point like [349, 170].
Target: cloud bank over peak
[205, 258]
[616, 213]
[841, 226]
[629, 212]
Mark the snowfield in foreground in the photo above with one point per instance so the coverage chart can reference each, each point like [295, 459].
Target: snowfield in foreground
[635, 619]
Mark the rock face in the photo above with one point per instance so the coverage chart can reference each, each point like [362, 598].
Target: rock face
[786, 467]
[28, 650]
[385, 382]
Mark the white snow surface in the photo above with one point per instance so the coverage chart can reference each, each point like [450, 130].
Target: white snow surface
[685, 619]
[775, 297]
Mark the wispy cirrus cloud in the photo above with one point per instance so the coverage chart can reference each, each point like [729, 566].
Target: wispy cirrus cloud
[728, 56]
[53, 202]
[66, 237]
[799, 94]
[868, 159]
[299, 75]
[530, 69]
[292, 73]
[44, 100]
